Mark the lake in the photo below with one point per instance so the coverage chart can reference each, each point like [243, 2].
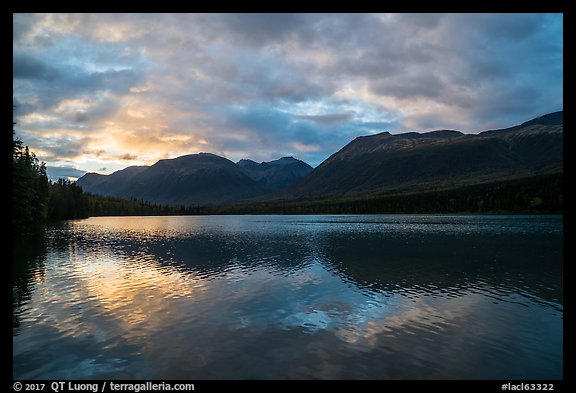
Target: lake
[291, 297]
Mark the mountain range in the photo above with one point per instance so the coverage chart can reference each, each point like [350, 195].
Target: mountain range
[412, 161]
[197, 179]
[370, 165]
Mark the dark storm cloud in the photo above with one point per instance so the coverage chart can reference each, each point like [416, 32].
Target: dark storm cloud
[81, 117]
[59, 147]
[418, 86]
[331, 119]
[263, 28]
[118, 81]
[515, 27]
[42, 86]
[28, 67]
[473, 61]
[266, 80]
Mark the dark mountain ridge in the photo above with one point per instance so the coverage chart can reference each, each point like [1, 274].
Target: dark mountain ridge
[196, 179]
[277, 174]
[109, 184]
[384, 162]
[368, 166]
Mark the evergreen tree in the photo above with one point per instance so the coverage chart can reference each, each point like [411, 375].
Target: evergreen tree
[29, 186]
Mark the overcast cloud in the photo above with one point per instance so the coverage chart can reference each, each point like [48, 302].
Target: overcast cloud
[105, 91]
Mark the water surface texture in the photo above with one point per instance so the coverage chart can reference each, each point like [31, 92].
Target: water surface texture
[291, 297]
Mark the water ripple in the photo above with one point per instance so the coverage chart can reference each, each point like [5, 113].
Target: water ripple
[292, 297]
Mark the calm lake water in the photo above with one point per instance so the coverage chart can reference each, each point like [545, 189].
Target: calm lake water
[291, 297]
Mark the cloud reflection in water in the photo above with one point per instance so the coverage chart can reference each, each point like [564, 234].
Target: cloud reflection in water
[276, 297]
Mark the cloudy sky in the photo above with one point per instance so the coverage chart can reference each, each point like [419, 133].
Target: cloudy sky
[100, 92]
